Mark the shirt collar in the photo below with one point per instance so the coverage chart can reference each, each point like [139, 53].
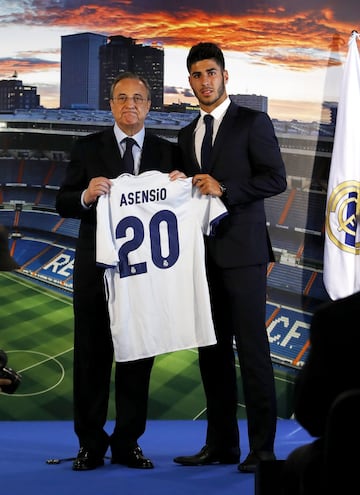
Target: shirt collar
[120, 135]
[218, 112]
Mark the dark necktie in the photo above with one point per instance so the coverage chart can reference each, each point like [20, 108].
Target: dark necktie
[206, 146]
[128, 159]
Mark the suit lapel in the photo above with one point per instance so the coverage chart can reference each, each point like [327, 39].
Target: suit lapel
[110, 154]
[150, 149]
[189, 140]
[223, 131]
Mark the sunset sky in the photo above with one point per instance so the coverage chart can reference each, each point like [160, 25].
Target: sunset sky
[290, 51]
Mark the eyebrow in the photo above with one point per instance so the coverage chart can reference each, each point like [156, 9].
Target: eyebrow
[207, 70]
[134, 94]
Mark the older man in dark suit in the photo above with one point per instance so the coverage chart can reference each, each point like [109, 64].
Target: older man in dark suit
[243, 167]
[95, 160]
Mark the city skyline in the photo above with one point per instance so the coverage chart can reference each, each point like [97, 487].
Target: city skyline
[291, 53]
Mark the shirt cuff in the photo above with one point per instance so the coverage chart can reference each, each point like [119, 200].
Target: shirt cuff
[83, 204]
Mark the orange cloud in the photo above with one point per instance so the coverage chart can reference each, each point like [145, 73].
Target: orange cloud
[25, 65]
[299, 41]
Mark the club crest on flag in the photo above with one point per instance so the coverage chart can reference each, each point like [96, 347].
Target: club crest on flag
[341, 218]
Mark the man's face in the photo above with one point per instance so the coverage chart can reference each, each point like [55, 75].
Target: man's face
[207, 81]
[130, 105]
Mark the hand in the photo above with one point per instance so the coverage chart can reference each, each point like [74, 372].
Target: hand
[97, 187]
[176, 174]
[207, 185]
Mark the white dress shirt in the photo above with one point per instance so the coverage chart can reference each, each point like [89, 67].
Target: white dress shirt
[218, 114]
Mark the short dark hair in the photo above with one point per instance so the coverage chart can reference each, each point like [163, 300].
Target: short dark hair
[204, 51]
[130, 75]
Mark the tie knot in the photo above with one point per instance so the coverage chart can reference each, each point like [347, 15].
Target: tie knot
[129, 142]
[208, 119]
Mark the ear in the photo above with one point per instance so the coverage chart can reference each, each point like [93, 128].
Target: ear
[226, 76]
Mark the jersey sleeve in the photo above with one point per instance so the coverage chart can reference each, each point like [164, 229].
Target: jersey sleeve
[211, 210]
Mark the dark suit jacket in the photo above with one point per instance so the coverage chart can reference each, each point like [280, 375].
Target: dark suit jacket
[247, 160]
[98, 155]
[332, 363]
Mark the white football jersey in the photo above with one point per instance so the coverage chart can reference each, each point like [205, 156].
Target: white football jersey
[150, 239]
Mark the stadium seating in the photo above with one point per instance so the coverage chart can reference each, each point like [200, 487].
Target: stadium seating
[295, 219]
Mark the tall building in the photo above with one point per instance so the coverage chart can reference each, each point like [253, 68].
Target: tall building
[332, 109]
[256, 102]
[14, 95]
[122, 54]
[80, 70]
[149, 63]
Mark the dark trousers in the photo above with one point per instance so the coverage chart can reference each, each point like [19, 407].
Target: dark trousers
[93, 361]
[238, 297]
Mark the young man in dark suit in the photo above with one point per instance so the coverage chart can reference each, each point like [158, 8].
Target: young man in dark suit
[244, 168]
[95, 160]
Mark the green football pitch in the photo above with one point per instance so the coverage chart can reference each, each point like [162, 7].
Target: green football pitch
[37, 335]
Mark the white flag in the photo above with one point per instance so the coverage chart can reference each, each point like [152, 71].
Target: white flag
[342, 233]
